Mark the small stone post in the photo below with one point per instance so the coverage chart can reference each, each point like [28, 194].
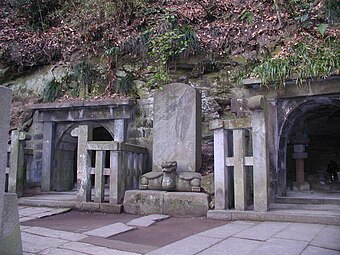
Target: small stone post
[16, 172]
[257, 105]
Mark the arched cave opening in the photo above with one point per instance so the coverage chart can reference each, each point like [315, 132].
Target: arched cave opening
[314, 145]
[64, 174]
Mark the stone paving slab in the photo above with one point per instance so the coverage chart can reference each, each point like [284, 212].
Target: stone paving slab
[300, 231]
[141, 222]
[329, 237]
[227, 230]
[32, 211]
[28, 213]
[23, 219]
[58, 251]
[232, 246]
[94, 250]
[148, 220]
[119, 245]
[24, 227]
[156, 217]
[263, 231]
[109, 230]
[55, 233]
[187, 246]
[33, 243]
[312, 250]
[280, 247]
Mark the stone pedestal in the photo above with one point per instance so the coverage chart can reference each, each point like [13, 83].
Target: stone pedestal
[170, 203]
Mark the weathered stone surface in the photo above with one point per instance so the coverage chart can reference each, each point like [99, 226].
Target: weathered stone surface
[187, 246]
[263, 231]
[147, 221]
[328, 238]
[34, 243]
[5, 102]
[300, 231]
[85, 248]
[141, 223]
[177, 125]
[232, 246]
[208, 183]
[10, 240]
[170, 203]
[312, 250]
[186, 203]
[110, 208]
[227, 230]
[280, 246]
[55, 233]
[143, 202]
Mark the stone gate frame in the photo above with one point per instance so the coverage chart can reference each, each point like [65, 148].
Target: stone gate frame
[112, 114]
[260, 159]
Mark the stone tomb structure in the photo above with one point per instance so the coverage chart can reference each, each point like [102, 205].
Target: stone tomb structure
[280, 141]
[176, 157]
[10, 239]
[78, 146]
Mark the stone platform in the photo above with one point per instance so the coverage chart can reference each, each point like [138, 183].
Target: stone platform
[146, 202]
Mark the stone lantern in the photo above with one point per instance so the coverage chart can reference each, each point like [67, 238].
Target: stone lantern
[300, 141]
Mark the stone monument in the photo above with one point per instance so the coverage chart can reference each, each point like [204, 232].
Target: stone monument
[176, 158]
[10, 239]
[176, 140]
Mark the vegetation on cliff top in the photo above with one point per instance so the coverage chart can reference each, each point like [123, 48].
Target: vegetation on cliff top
[273, 40]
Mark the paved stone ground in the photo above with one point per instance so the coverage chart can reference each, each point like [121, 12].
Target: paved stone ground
[73, 233]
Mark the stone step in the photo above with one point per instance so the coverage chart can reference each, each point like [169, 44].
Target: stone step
[311, 207]
[304, 200]
[46, 203]
[320, 216]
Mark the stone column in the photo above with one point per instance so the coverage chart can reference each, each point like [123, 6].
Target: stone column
[257, 105]
[116, 180]
[119, 130]
[16, 172]
[99, 182]
[10, 239]
[84, 134]
[239, 169]
[221, 175]
[47, 160]
[300, 141]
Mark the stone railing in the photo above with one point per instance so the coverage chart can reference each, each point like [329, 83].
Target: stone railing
[127, 163]
[17, 157]
[230, 151]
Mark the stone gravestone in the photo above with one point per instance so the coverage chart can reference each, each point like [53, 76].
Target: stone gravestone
[177, 148]
[177, 131]
[10, 239]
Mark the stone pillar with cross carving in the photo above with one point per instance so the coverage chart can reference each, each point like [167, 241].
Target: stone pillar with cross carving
[223, 158]
[257, 105]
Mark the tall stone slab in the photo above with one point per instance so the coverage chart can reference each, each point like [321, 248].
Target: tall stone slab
[177, 127]
[10, 240]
